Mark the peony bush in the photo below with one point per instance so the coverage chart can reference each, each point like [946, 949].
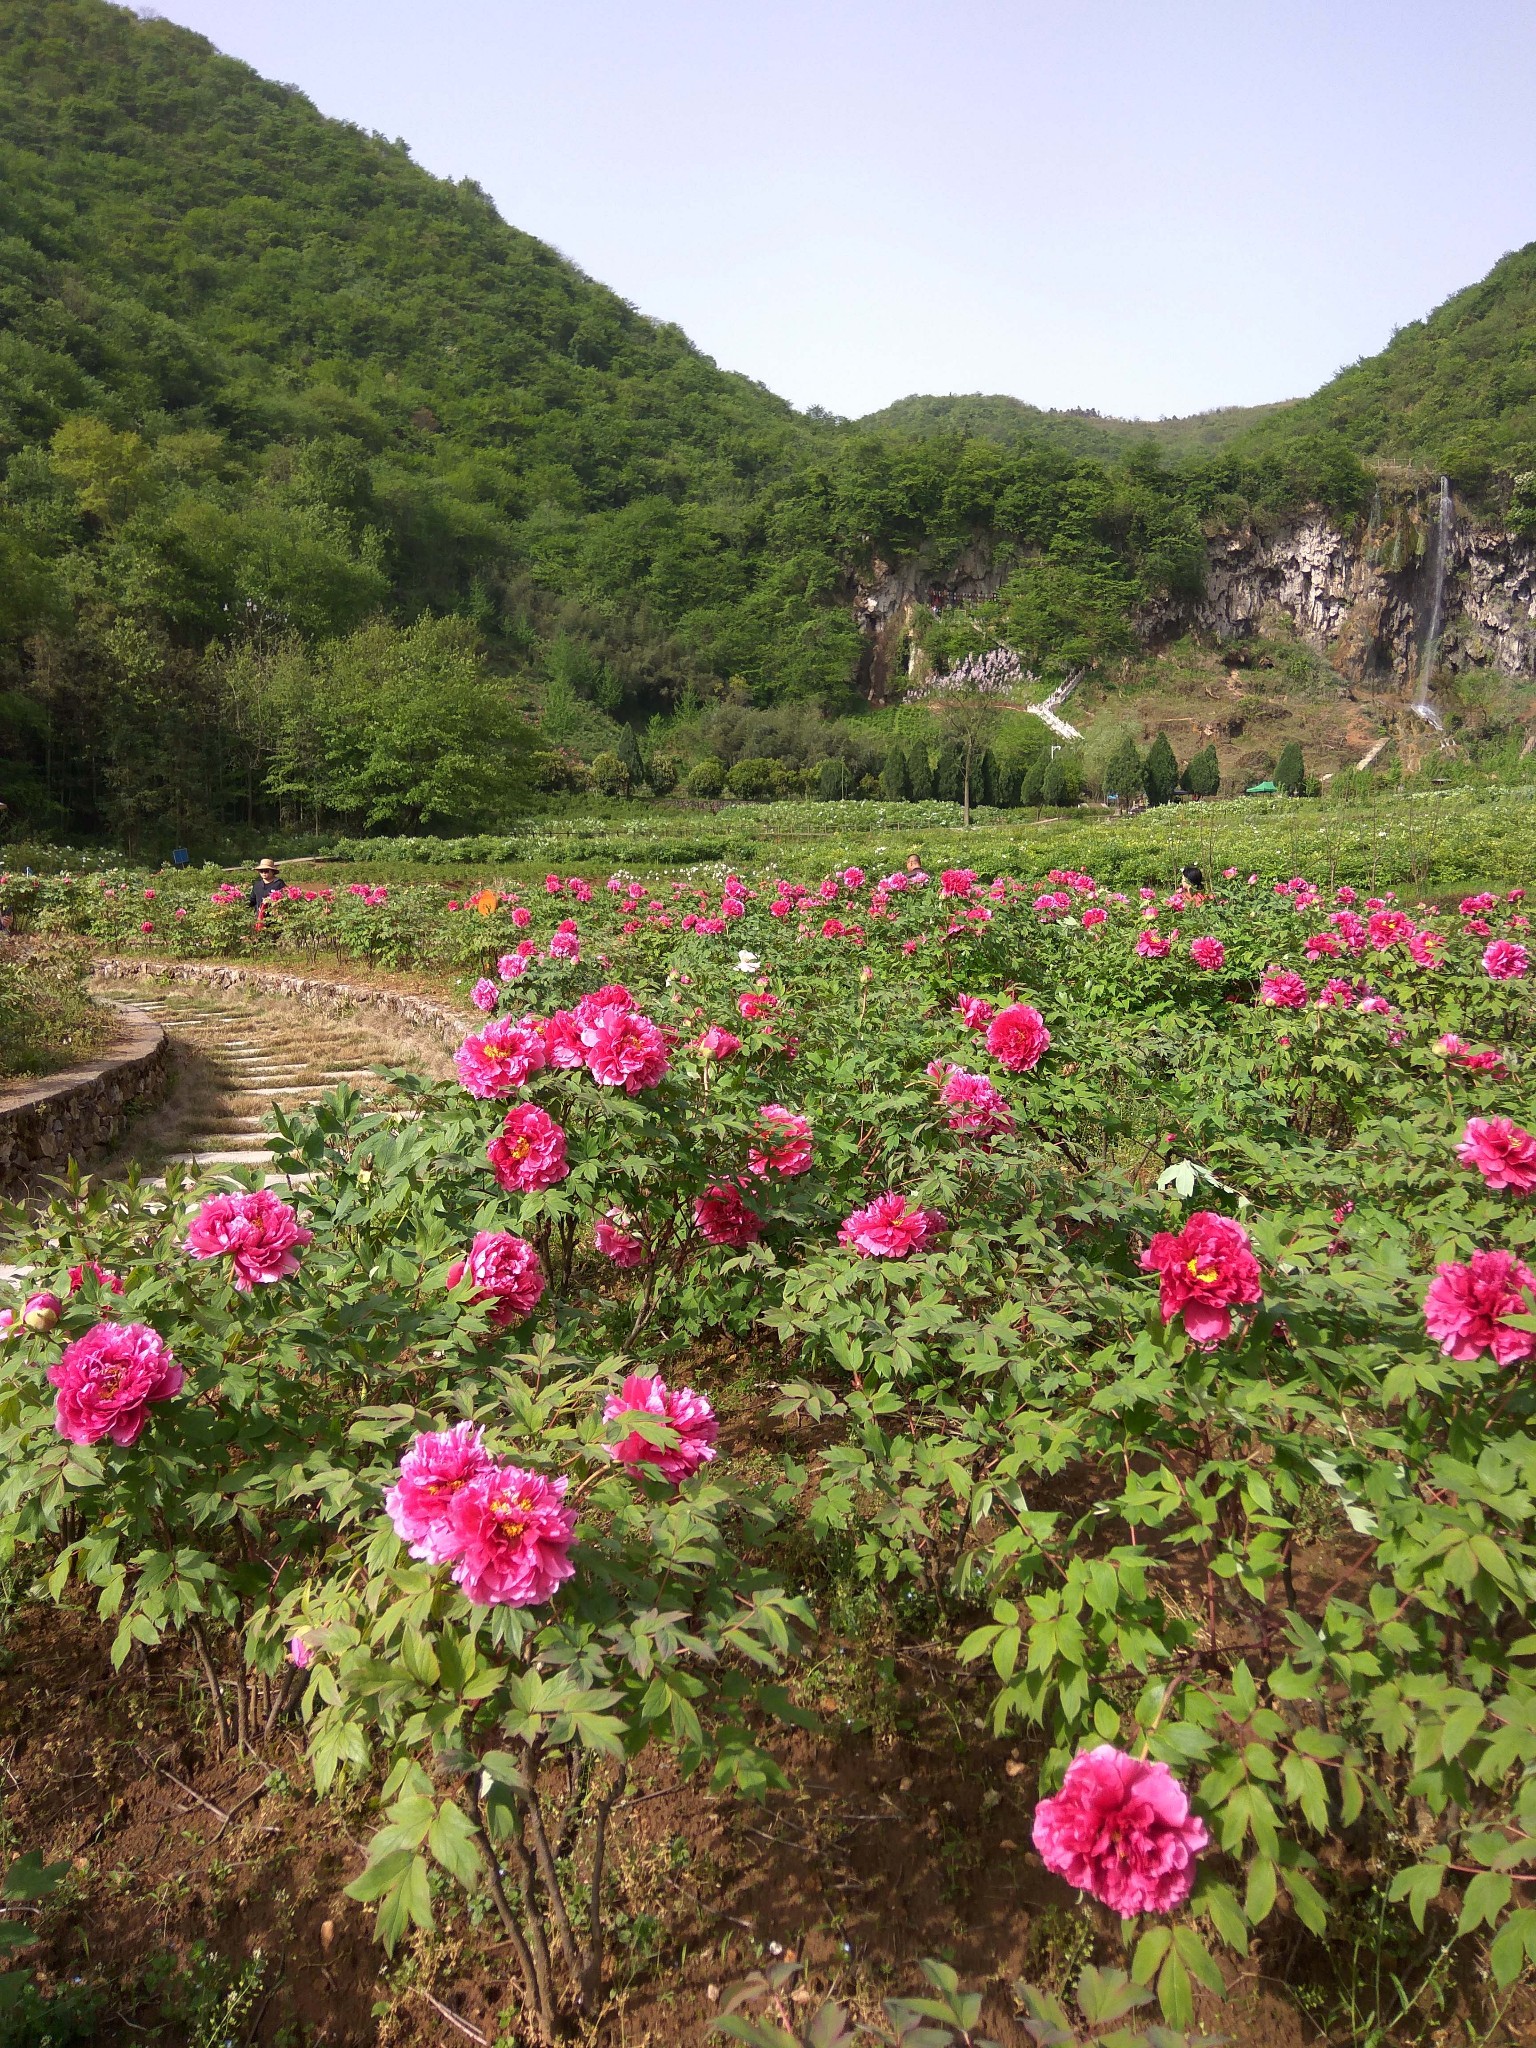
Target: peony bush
[1146, 1327]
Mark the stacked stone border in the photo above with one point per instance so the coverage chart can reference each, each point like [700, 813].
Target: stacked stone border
[44, 1124]
[413, 1012]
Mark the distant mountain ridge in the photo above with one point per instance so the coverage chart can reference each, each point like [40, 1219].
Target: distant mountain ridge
[1455, 391]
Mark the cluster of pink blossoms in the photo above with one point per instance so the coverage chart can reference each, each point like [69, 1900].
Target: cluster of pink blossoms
[684, 1412]
[619, 1047]
[974, 1104]
[505, 1530]
[783, 1144]
[259, 1235]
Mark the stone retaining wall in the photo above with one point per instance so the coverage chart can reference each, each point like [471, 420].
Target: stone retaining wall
[414, 1013]
[44, 1124]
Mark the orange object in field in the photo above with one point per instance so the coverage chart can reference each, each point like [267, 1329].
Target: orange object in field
[486, 902]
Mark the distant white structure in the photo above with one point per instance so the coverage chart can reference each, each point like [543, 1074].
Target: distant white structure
[1048, 709]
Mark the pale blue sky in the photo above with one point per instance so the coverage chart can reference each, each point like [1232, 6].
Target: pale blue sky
[1148, 208]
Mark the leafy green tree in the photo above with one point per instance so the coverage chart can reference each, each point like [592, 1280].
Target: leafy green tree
[1290, 770]
[894, 786]
[1062, 781]
[1124, 776]
[1032, 791]
[985, 790]
[831, 780]
[705, 778]
[919, 773]
[1203, 775]
[1160, 771]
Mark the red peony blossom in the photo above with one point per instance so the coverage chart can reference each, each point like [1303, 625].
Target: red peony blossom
[1208, 953]
[260, 1236]
[616, 1241]
[783, 1142]
[529, 1151]
[438, 1464]
[976, 1011]
[624, 1049]
[112, 1282]
[107, 1379]
[1283, 990]
[724, 1218]
[1121, 1830]
[956, 881]
[1017, 1037]
[682, 1409]
[499, 1059]
[1466, 1305]
[888, 1229]
[755, 1003]
[505, 1269]
[1505, 960]
[511, 1537]
[1206, 1269]
[1503, 1153]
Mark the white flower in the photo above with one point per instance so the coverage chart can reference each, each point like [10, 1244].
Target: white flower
[747, 963]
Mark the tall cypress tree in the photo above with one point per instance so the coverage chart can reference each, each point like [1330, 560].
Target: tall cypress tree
[1203, 775]
[1161, 771]
[894, 786]
[628, 751]
[1124, 777]
[919, 774]
[1290, 770]
[949, 774]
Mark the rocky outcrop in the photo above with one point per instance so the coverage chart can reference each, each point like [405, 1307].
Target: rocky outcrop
[44, 1124]
[886, 601]
[410, 1012]
[1364, 599]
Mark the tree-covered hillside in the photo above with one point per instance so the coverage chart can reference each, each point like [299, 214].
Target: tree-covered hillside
[327, 496]
[1100, 437]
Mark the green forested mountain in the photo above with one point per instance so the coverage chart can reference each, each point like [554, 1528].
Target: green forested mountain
[1097, 436]
[316, 476]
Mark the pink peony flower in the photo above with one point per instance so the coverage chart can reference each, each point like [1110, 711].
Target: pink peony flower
[499, 1059]
[956, 881]
[107, 1379]
[511, 1537]
[562, 1040]
[529, 1151]
[888, 1229]
[522, 917]
[1151, 944]
[565, 946]
[300, 1655]
[685, 1411]
[783, 1142]
[260, 1235]
[724, 1218]
[505, 1269]
[509, 967]
[38, 1315]
[616, 1242]
[1206, 1268]
[976, 1011]
[1505, 960]
[1503, 1153]
[1208, 953]
[485, 995]
[112, 1282]
[974, 1104]
[1017, 1037]
[624, 1049]
[1283, 990]
[1121, 1830]
[1465, 1308]
[1094, 914]
[755, 1003]
[436, 1467]
[717, 1043]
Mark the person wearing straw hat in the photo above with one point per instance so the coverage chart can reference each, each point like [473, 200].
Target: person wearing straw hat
[267, 883]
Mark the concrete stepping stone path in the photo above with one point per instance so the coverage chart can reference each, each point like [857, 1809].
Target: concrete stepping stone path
[239, 1056]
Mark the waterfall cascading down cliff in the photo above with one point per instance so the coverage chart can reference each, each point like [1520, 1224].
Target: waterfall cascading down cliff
[1421, 705]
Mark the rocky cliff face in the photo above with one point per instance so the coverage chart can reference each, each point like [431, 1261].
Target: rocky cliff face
[1365, 599]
